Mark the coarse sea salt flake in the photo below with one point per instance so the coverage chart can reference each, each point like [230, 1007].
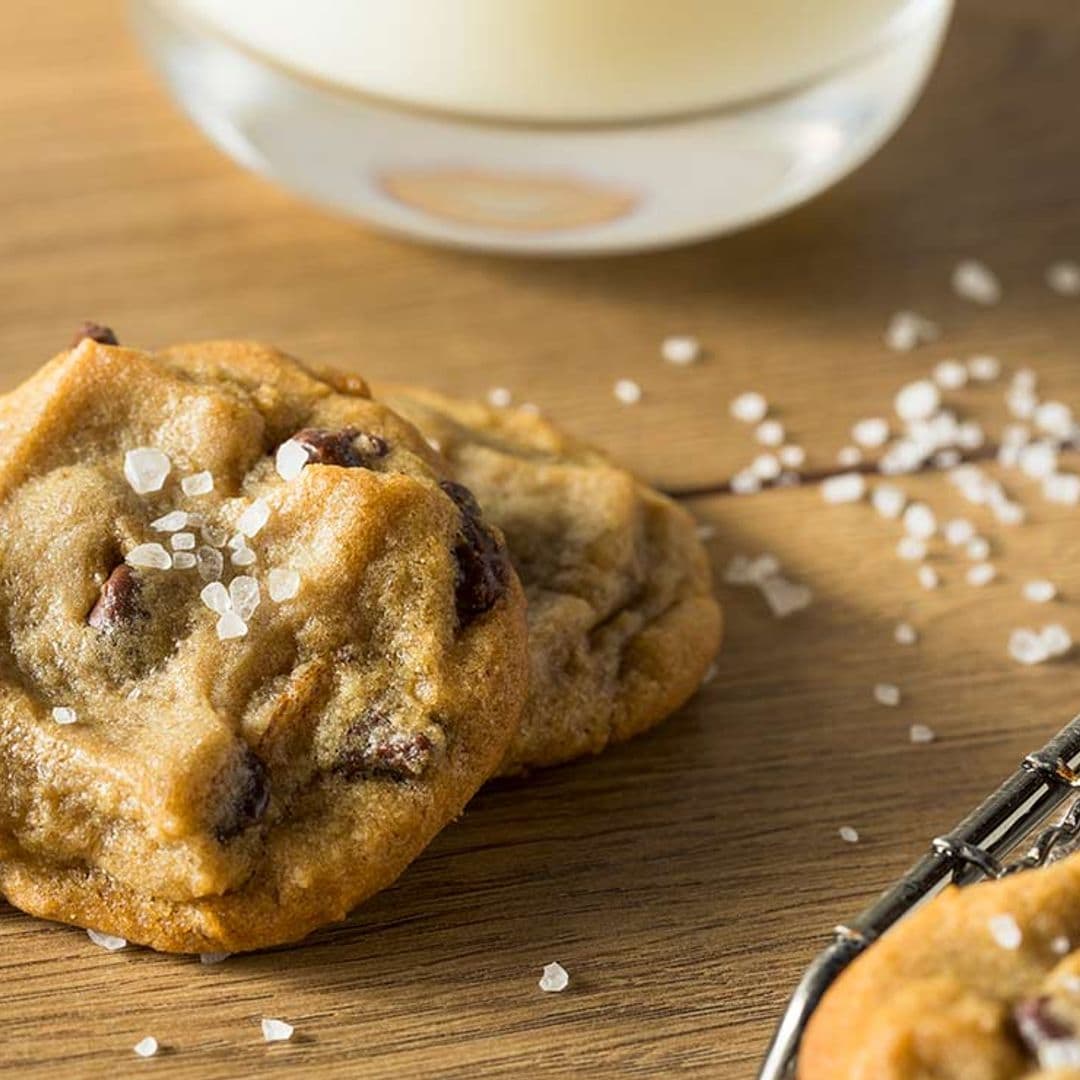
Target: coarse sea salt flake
[63, 714]
[1056, 639]
[745, 482]
[1009, 513]
[146, 1048]
[845, 488]
[978, 548]
[792, 456]
[981, 573]
[871, 432]
[291, 458]
[888, 500]
[887, 694]
[911, 548]
[282, 584]
[107, 941]
[242, 557]
[907, 329]
[770, 433]
[1027, 647]
[183, 560]
[1063, 488]
[149, 556]
[958, 531]
[785, 597]
[1039, 591]
[975, 281]
[1021, 404]
[182, 541]
[200, 483]
[765, 467]
[848, 457]
[499, 397]
[244, 596]
[950, 374]
[211, 958]
[905, 634]
[1060, 945]
[1005, 931]
[1063, 277]
[928, 577]
[920, 521]
[627, 392]
[848, 834]
[145, 469]
[254, 517]
[1055, 418]
[918, 400]
[216, 597]
[276, 1030]
[554, 979]
[984, 368]
[765, 566]
[680, 349]
[210, 563]
[230, 626]
[170, 522]
[749, 407]
[921, 733]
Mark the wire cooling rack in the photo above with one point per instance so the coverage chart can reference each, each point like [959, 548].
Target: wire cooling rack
[973, 851]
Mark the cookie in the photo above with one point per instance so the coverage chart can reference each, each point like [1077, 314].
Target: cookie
[256, 646]
[980, 983]
[623, 623]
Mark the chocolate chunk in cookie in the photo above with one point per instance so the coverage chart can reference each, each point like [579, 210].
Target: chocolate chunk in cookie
[483, 565]
[247, 799]
[348, 448]
[103, 335]
[375, 746]
[117, 607]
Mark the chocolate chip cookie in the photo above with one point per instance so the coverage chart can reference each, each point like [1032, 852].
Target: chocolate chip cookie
[980, 983]
[622, 620]
[256, 645]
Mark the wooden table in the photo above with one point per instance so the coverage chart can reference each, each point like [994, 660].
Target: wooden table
[683, 880]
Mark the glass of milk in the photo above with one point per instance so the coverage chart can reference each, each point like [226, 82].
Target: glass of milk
[548, 126]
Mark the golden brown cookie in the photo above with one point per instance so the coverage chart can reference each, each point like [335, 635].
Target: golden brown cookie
[623, 623]
[256, 647]
[980, 983]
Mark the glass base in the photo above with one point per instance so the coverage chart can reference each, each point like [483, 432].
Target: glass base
[521, 188]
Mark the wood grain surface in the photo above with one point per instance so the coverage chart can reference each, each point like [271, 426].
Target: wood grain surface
[685, 879]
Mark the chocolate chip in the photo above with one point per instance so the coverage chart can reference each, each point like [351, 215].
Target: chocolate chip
[483, 568]
[349, 448]
[1048, 1038]
[95, 332]
[247, 801]
[118, 605]
[375, 746]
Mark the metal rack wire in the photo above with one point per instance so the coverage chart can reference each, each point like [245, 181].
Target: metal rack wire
[974, 850]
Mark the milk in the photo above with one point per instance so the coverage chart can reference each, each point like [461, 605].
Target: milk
[557, 60]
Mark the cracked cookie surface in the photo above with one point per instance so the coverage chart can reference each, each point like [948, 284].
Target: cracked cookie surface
[980, 983]
[623, 623]
[239, 687]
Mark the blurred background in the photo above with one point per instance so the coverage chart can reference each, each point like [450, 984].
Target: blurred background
[686, 878]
